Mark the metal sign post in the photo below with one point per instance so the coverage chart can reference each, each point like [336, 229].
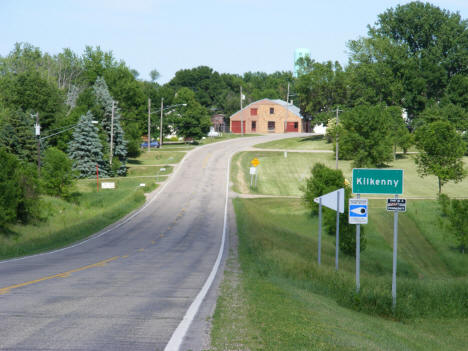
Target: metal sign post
[358, 215]
[335, 201]
[337, 244]
[358, 255]
[320, 230]
[395, 243]
[380, 181]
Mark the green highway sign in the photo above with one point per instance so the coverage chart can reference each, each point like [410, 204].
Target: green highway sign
[377, 181]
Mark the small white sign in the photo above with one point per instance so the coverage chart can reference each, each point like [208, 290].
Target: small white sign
[358, 211]
[162, 170]
[142, 184]
[108, 185]
[330, 200]
[253, 170]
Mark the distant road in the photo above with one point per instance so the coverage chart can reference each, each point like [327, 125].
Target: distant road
[127, 288]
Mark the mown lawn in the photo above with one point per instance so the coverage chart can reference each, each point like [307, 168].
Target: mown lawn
[313, 142]
[290, 303]
[156, 157]
[279, 175]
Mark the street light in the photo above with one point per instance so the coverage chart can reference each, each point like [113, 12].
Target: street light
[161, 122]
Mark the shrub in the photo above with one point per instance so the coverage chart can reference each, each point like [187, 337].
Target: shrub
[56, 175]
[19, 191]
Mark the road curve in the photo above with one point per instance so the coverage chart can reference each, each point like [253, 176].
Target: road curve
[127, 288]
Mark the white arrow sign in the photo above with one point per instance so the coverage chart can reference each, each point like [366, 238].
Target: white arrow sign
[329, 200]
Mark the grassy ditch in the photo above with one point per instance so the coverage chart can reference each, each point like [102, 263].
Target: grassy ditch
[68, 221]
[296, 305]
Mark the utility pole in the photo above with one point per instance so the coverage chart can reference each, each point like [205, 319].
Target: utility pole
[112, 133]
[38, 135]
[242, 117]
[161, 126]
[149, 123]
[287, 111]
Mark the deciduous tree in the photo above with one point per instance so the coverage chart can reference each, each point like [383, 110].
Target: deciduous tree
[441, 151]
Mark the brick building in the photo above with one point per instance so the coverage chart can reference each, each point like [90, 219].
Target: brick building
[268, 116]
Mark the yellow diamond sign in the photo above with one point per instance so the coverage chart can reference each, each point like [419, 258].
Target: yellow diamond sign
[255, 162]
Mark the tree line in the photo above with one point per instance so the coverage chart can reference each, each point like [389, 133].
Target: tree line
[413, 63]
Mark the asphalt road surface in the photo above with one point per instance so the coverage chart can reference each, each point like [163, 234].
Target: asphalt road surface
[128, 287]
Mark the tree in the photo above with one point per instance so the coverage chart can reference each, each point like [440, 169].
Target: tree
[154, 75]
[458, 217]
[365, 136]
[85, 148]
[417, 61]
[399, 131]
[56, 173]
[321, 87]
[17, 134]
[324, 180]
[19, 191]
[441, 150]
[119, 144]
[191, 121]
[9, 189]
[456, 211]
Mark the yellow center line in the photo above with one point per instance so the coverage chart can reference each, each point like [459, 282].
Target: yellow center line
[59, 275]
[205, 161]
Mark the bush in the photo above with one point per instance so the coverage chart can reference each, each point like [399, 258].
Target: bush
[56, 174]
[19, 191]
[324, 180]
[457, 213]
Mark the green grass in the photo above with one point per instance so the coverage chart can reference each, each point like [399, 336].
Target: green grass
[67, 222]
[278, 175]
[159, 157]
[88, 210]
[293, 304]
[135, 171]
[314, 142]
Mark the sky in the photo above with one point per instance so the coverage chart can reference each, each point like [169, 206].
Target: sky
[230, 36]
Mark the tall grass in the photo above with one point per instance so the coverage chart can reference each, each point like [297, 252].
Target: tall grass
[68, 221]
[270, 247]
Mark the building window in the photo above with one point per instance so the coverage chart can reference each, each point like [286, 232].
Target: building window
[253, 111]
[254, 125]
[272, 110]
[271, 125]
[296, 125]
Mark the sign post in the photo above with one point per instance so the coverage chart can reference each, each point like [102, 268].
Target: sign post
[253, 171]
[320, 232]
[358, 215]
[334, 201]
[381, 181]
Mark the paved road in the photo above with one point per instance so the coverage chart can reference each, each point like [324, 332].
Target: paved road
[129, 288]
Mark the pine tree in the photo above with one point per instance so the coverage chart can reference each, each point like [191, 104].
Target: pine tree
[85, 148]
[17, 135]
[105, 100]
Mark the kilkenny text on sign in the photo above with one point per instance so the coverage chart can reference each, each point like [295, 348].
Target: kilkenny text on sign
[377, 181]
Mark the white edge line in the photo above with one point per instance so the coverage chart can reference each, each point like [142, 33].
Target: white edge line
[113, 225]
[179, 334]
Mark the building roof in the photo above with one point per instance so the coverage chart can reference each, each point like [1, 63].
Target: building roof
[292, 108]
